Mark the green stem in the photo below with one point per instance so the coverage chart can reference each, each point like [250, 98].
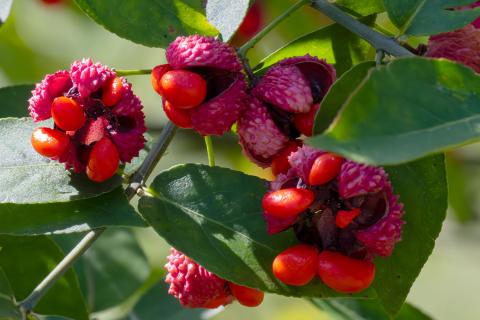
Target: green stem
[133, 72]
[376, 39]
[252, 42]
[210, 154]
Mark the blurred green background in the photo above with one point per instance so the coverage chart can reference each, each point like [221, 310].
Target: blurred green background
[39, 39]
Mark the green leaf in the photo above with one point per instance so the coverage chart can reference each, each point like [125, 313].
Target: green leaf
[399, 114]
[8, 308]
[339, 93]
[214, 215]
[356, 309]
[111, 270]
[27, 261]
[13, 100]
[334, 43]
[422, 187]
[459, 197]
[151, 23]
[5, 7]
[227, 15]
[424, 17]
[363, 7]
[27, 177]
[157, 302]
[110, 209]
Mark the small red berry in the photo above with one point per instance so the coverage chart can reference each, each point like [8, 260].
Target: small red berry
[344, 217]
[297, 265]
[49, 142]
[280, 163]
[345, 274]
[52, 1]
[157, 74]
[67, 114]
[183, 88]
[112, 92]
[248, 297]
[181, 117]
[103, 160]
[304, 121]
[325, 168]
[217, 302]
[287, 203]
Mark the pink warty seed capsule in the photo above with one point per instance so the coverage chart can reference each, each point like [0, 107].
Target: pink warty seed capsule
[193, 285]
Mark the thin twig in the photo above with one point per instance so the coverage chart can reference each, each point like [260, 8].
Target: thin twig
[136, 182]
[376, 39]
[253, 41]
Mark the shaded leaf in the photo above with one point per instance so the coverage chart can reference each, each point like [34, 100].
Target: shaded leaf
[356, 309]
[26, 261]
[424, 17]
[110, 209]
[13, 100]
[8, 308]
[111, 270]
[227, 15]
[157, 302]
[338, 94]
[214, 215]
[334, 43]
[387, 123]
[151, 23]
[422, 187]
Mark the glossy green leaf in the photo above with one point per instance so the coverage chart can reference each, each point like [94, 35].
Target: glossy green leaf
[334, 43]
[157, 302]
[5, 7]
[459, 197]
[422, 187]
[111, 270]
[339, 93]
[110, 209]
[151, 23]
[13, 100]
[427, 17]
[356, 309]
[399, 114]
[214, 215]
[26, 261]
[227, 15]
[8, 308]
[362, 7]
